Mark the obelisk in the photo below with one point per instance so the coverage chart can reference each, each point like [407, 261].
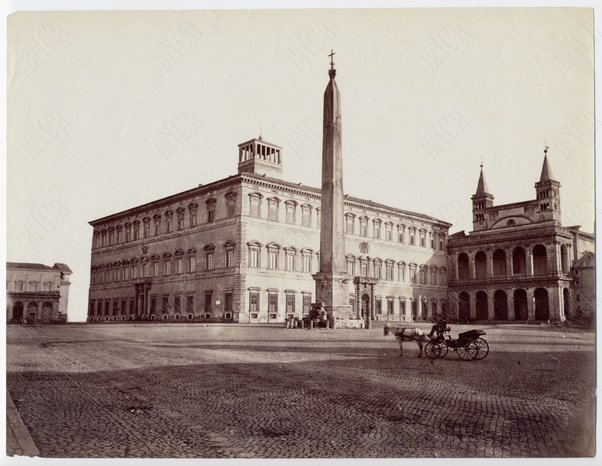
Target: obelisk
[332, 280]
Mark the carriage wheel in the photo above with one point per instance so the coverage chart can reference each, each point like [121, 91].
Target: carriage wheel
[482, 348]
[432, 350]
[467, 350]
[443, 348]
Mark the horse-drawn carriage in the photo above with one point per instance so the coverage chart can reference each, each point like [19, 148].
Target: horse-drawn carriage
[468, 346]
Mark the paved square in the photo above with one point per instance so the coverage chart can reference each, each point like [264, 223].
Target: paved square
[241, 391]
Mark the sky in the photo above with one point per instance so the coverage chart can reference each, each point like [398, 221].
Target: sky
[109, 110]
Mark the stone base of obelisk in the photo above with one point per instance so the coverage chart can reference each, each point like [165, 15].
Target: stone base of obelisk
[332, 291]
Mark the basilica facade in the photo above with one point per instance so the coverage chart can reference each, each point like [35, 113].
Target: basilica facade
[520, 263]
[244, 248]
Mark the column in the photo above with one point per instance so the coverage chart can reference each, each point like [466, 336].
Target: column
[511, 304]
[489, 264]
[408, 306]
[472, 270]
[472, 304]
[530, 304]
[358, 300]
[490, 305]
[558, 268]
[419, 307]
[556, 303]
[457, 272]
[508, 263]
[529, 261]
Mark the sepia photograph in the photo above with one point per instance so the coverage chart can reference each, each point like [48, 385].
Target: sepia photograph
[301, 232]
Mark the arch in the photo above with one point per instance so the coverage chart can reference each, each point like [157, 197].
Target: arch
[32, 310]
[482, 311]
[567, 303]
[18, 311]
[463, 268]
[519, 261]
[499, 262]
[542, 306]
[464, 306]
[365, 305]
[520, 305]
[564, 259]
[540, 260]
[500, 305]
[47, 309]
[480, 264]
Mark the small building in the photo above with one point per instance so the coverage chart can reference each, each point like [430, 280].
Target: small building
[37, 292]
[519, 263]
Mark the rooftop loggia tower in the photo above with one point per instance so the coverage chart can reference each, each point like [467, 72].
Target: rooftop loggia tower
[547, 191]
[260, 157]
[481, 201]
[332, 280]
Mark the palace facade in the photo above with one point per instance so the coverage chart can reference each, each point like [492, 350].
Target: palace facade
[37, 292]
[244, 248]
[519, 262]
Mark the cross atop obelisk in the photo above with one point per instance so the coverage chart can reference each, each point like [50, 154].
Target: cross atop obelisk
[332, 279]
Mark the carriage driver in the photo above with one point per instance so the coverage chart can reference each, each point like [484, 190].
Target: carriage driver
[438, 328]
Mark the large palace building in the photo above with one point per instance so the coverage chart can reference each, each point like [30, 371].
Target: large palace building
[519, 262]
[244, 248]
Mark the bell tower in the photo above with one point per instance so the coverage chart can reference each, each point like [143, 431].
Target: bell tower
[481, 201]
[260, 158]
[547, 191]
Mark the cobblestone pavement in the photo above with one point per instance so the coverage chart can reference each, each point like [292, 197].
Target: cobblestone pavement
[242, 391]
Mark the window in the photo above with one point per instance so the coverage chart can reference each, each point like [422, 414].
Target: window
[192, 263]
[176, 304]
[442, 276]
[230, 256]
[290, 261]
[168, 220]
[254, 302]
[349, 224]
[119, 234]
[146, 231]
[47, 286]
[180, 215]
[211, 210]
[441, 237]
[291, 210]
[208, 302]
[377, 269]
[231, 204]
[134, 271]
[412, 236]
[363, 226]
[378, 306]
[433, 276]
[423, 238]
[402, 306]
[306, 215]
[155, 269]
[209, 260]
[255, 205]
[128, 232]
[423, 275]
[19, 286]
[273, 205]
[165, 304]
[307, 262]
[253, 257]
[400, 233]
[390, 310]
[228, 302]
[389, 231]
[144, 270]
[273, 259]
[389, 271]
[167, 268]
[126, 272]
[432, 235]
[377, 225]
[290, 303]
[33, 286]
[318, 217]
[111, 236]
[351, 266]
[192, 214]
[136, 228]
[412, 273]
[190, 303]
[306, 303]
[103, 236]
[364, 268]
[179, 268]
[272, 302]
[157, 225]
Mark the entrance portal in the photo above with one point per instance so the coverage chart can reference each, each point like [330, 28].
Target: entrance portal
[18, 311]
[365, 305]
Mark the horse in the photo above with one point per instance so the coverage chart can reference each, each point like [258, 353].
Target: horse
[407, 334]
